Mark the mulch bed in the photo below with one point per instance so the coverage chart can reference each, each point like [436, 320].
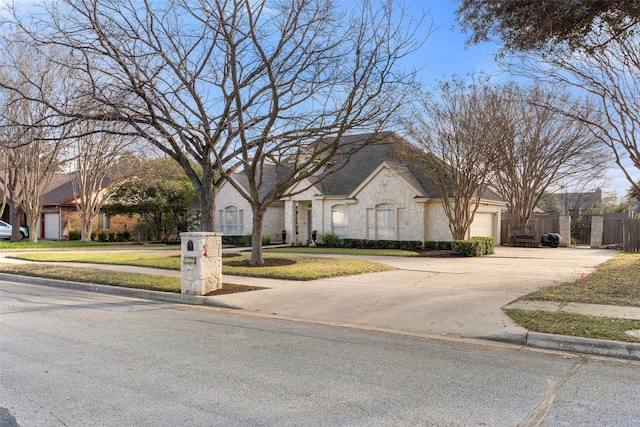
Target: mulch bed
[268, 262]
[438, 254]
[228, 288]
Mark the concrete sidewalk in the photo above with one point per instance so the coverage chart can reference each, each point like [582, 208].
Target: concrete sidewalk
[453, 297]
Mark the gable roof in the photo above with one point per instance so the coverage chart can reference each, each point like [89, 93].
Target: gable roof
[377, 148]
[60, 190]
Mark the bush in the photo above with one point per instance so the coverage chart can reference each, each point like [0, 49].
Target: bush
[93, 235]
[433, 245]
[112, 236]
[476, 246]
[102, 236]
[331, 240]
[488, 244]
[246, 240]
[126, 235]
[233, 240]
[75, 235]
[408, 245]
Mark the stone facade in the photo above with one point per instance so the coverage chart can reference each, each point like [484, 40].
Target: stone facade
[389, 190]
[273, 222]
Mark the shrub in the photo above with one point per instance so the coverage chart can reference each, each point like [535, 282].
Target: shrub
[93, 235]
[126, 235]
[408, 245]
[433, 245]
[488, 244]
[75, 235]
[476, 246]
[102, 236]
[112, 236]
[246, 240]
[331, 240]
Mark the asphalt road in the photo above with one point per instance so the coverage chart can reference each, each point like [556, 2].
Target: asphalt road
[70, 358]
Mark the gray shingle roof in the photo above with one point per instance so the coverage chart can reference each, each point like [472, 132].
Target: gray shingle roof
[400, 154]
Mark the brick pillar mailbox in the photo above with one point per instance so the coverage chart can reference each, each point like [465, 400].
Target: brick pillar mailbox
[201, 259]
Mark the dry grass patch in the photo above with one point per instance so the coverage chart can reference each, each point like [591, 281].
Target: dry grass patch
[616, 282]
[576, 325]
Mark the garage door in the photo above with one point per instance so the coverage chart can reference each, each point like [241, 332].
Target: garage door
[51, 226]
[482, 225]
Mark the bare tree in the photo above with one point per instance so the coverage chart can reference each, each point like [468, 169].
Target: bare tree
[609, 76]
[33, 142]
[456, 128]
[546, 147]
[230, 84]
[102, 161]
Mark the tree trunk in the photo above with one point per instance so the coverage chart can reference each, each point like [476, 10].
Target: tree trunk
[33, 224]
[206, 194]
[256, 236]
[14, 220]
[86, 227]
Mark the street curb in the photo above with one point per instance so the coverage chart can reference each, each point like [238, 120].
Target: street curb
[119, 291]
[595, 347]
[621, 350]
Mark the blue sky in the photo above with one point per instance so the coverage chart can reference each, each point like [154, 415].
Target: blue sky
[444, 54]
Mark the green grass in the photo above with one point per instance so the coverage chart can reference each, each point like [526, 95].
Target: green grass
[616, 282]
[344, 251]
[304, 268]
[24, 245]
[295, 268]
[576, 325]
[93, 275]
[153, 260]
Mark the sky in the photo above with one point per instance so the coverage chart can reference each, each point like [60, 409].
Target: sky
[444, 54]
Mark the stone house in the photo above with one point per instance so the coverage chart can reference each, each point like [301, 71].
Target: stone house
[379, 194]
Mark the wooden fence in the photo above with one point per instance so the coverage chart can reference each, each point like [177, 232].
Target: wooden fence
[543, 224]
[631, 235]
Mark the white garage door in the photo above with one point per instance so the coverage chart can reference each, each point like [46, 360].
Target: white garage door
[482, 225]
[51, 226]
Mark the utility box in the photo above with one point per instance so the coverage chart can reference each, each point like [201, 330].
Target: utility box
[201, 262]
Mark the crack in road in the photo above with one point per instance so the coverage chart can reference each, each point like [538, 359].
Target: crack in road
[539, 415]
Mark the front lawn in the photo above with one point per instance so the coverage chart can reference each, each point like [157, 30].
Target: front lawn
[277, 267]
[616, 282]
[344, 251]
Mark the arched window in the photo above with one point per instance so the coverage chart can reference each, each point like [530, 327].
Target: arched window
[340, 221]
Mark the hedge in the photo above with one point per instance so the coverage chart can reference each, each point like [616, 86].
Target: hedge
[476, 246]
[408, 245]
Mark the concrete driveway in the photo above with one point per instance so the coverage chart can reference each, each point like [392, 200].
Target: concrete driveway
[435, 296]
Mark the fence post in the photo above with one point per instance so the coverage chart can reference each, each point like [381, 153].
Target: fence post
[597, 228]
[564, 228]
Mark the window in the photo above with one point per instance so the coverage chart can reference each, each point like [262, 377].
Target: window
[233, 221]
[340, 221]
[104, 222]
[386, 222]
[403, 225]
